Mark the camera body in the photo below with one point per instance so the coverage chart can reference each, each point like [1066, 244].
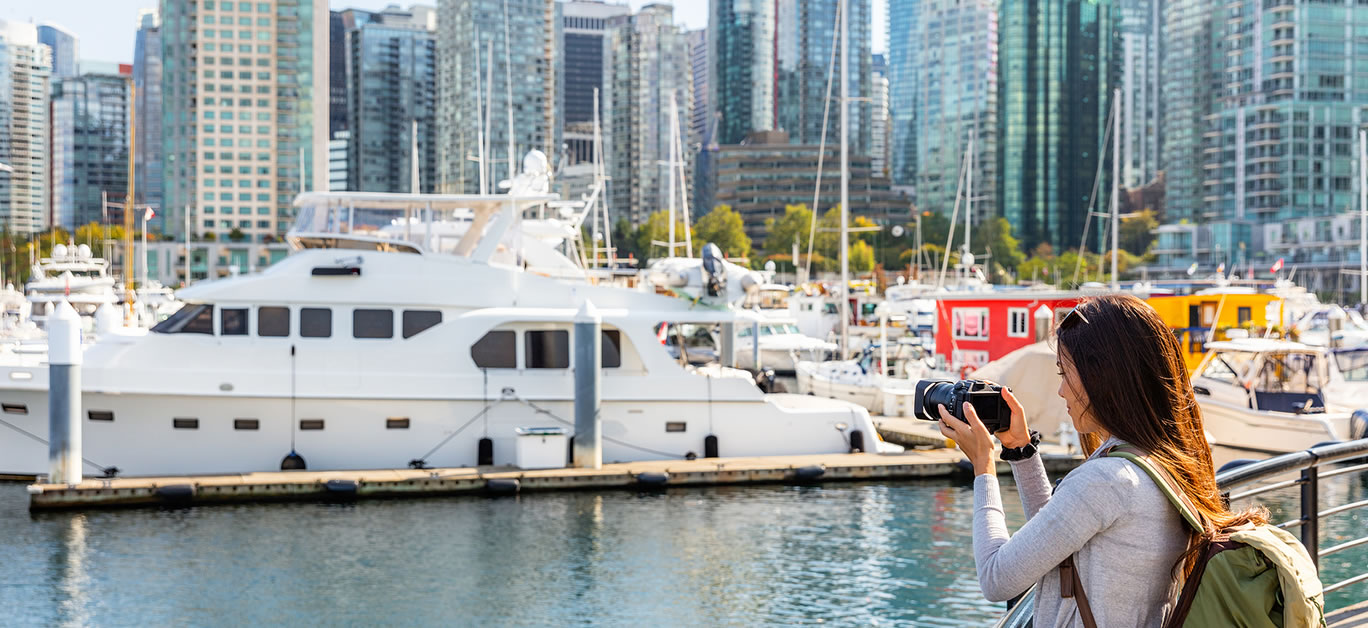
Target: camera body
[986, 398]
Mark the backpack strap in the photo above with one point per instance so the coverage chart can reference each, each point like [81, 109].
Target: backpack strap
[1164, 480]
[1070, 585]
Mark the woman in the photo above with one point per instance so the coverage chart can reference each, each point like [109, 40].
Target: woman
[1124, 382]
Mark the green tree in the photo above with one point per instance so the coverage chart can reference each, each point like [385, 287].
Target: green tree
[1005, 248]
[1137, 232]
[96, 235]
[861, 257]
[794, 225]
[723, 226]
[657, 229]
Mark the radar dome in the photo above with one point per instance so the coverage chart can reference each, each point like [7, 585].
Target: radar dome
[83, 251]
[59, 251]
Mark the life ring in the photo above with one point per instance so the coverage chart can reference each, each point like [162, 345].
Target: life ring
[966, 371]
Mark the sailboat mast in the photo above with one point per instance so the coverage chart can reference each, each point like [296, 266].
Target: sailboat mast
[1116, 188]
[669, 168]
[968, 203]
[1363, 217]
[844, 291]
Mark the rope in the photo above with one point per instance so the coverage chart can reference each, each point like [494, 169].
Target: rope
[541, 410]
[41, 440]
[468, 423]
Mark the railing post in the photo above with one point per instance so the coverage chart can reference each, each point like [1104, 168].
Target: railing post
[1310, 512]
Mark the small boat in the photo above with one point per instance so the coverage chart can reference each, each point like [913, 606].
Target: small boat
[782, 346]
[865, 379]
[1269, 395]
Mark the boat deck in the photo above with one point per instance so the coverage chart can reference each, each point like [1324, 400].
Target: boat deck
[399, 483]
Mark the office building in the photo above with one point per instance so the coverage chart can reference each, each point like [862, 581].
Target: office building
[66, 49]
[1060, 62]
[244, 113]
[647, 71]
[804, 36]
[703, 125]
[147, 78]
[25, 72]
[741, 55]
[904, 48]
[90, 130]
[1192, 81]
[879, 138]
[580, 30]
[1140, 85]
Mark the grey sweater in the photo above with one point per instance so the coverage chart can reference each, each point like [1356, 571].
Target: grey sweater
[1108, 511]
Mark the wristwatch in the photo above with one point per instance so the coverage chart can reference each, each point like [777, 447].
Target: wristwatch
[1014, 454]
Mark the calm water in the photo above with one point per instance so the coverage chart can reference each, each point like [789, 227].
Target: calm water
[841, 554]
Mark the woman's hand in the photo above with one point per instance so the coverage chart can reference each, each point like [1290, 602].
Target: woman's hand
[1018, 435]
[972, 437]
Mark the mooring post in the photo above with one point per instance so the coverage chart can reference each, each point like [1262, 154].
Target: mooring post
[64, 395]
[755, 343]
[1044, 319]
[726, 350]
[588, 447]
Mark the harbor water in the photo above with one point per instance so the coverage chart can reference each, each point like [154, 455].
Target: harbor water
[866, 554]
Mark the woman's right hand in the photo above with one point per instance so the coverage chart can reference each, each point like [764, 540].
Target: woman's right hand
[1018, 435]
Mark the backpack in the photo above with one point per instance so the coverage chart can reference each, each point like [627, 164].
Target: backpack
[1251, 576]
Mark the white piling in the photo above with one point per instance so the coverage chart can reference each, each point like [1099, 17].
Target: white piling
[1044, 321]
[64, 395]
[726, 350]
[588, 448]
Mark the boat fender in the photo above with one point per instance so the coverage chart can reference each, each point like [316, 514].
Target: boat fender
[486, 452]
[109, 472]
[1358, 425]
[503, 486]
[810, 472]
[653, 478]
[293, 462]
[341, 487]
[418, 463]
[965, 467]
[176, 492]
[857, 441]
[689, 455]
[1235, 464]
[710, 446]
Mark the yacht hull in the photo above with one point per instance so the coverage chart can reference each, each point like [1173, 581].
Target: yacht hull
[1271, 432]
[865, 396]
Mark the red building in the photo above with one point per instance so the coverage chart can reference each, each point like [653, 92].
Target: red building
[975, 328]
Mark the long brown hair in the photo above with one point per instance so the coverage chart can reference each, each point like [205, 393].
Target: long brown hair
[1131, 367]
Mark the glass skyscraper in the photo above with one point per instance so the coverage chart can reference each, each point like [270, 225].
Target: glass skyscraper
[1060, 62]
[90, 151]
[702, 128]
[65, 47]
[904, 54]
[524, 64]
[25, 72]
[1191, 82]
[1140, 37]
[147, 77]
[391, 83]
[580, 71]
[741, 55]
[803, 39]
[245, 101]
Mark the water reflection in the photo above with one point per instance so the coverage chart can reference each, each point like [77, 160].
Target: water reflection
[72, 582]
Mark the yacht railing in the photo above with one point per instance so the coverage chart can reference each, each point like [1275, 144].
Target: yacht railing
[1252, 479]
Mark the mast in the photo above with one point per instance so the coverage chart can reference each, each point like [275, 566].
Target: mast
[129, 297]
[1116, 188]
[1363, 217]
[669, 168]
[678, 167]
[479, 115]
[969, 203]
[845, 179]
[508, 86]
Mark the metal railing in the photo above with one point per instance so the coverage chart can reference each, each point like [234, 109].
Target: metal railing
[1310, 467]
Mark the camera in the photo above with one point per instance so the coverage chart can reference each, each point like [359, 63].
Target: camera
[986, 398]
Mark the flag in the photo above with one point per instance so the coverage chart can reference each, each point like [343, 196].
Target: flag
[148, 214]
[1192, 270]
[1220, 268]
[1277, 266]
[663, 332]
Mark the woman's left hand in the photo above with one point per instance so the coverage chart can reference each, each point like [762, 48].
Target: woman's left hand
[972, 438]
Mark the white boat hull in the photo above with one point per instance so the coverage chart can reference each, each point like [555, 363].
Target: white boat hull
[867, 396]
[1271, 432]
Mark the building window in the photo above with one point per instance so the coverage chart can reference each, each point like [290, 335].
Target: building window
[373, 323]
[418, 321]
[233, 321]
[496, 350]
[315, 322]
[1018, 322]
[969, 323]
[546, 349]
[273, 321]
[1243, 315]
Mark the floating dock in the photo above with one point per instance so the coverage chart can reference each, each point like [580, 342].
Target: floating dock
[399, 483]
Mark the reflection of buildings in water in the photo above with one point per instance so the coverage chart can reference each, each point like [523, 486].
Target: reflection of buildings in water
[71, 575]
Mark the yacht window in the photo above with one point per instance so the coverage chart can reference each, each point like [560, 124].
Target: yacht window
[745, 332]
[397, 423]
[1352, 363]
[315, 322]
[100, 415]
[311, 424]
[1218, 370]
[547, 349]
[192, 318]
[611, 349]
[418, 321]
[246, 424]
[233, 321]
[496, 350]
[273, 321]
[16, 408]
[185, 424]
[373, 323]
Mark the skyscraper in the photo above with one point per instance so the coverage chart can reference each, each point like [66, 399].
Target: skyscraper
[580, 41]
[90, 148]
[954, 91]
[391, 84]
[804, 41]
[647, 69]
[1140, 38]
[523, 65]
[1060, 64]
[25, 71]
[879, 137]
[904, 49]
[245, 106]
[1191, 82]
[741, 55]
[147, 78]
[702, 127]
[66, 49]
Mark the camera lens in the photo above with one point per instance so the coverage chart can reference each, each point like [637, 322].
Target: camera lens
[937, 394]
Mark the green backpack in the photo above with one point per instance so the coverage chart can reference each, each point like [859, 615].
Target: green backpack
[1250, 576]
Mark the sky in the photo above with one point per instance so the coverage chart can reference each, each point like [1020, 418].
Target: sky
[106, 28]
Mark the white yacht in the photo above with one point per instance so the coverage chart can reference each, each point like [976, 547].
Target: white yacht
[73, 275]
[1313, 328]
[1270, 395]
[383, 343]
[781, 345]
[865, 379]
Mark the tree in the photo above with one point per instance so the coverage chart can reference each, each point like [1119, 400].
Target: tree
[96, 235]
[236, 235]
[723, 226]
[795, 225]
[657, 229]
[861, 257]
[1137, 232]
[1005, 249]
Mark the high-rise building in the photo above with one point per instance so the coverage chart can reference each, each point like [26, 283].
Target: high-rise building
[391, 84]
[337, 72]
[66, 49]
[741, 56]
[1192, 80]
[90, 149]
[1280, 148]
[647, 72]
[1060, 62]
[523, 68]
[25, 71]
[879, 138]
[244, 113]
[702, 127]
[804, 37]
[147, 78]
[954, 91]
[1140, 122]
[904, 49]
[580, 32]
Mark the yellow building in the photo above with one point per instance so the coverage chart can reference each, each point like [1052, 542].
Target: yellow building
[1193, 316]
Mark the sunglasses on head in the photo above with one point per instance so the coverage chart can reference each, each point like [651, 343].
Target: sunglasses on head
[1073, 318]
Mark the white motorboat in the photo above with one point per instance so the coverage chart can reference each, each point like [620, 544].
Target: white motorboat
[371, 348]
[1269, 395]
[781, 345]
[912, 301]
[1314, 328]
[73, 275]
[865, 379]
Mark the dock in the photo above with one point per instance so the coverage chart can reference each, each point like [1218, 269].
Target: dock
[281, 486]
[917, 434]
